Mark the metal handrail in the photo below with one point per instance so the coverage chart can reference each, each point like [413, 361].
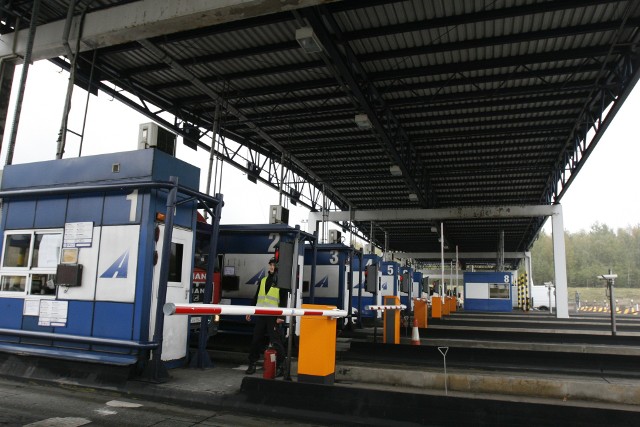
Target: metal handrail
[81, 339]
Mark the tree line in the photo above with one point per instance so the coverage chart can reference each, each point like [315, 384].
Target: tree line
[590, 254]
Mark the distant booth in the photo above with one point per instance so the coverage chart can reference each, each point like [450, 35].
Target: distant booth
[366, 289]
[244, 251]
[488, 291]
[85, 266]
[327, 278]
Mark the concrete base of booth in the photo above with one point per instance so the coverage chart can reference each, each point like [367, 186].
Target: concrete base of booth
[316, 379]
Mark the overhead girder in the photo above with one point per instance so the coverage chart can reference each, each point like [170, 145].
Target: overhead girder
[577, 146]
[321, 127]
[139, 20]
[377, 56]
[309, 196]
[405, 105]
[590, 54]
[416, 114]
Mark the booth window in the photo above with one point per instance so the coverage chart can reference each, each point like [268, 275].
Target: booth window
[499, 290]
[175, 262]
[29, 261]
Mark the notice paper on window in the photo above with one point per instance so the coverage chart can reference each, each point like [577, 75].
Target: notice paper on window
[78, 234]
[31, 307]
[53, 313]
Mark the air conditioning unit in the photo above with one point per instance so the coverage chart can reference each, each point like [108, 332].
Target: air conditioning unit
[150, 135]
[278, 215]
[335, 236]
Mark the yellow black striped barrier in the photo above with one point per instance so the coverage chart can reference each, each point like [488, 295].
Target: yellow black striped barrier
[600, 309]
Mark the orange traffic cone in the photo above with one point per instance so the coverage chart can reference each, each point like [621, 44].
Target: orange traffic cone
[415, 334]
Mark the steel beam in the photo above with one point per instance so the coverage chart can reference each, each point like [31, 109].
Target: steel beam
[443, 214]
[143, 20]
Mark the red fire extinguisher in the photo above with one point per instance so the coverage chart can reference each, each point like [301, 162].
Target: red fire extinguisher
[269, 367]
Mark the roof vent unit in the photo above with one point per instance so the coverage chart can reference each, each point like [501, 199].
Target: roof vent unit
[278, 215]
[191, 136]
[253, 172]
[362, 121]
[150, 135]
[308, 40]
[335, 236]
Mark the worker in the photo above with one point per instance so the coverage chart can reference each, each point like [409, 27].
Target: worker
[268, 295]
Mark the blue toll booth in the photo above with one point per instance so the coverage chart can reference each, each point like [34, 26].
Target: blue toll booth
[390, 278]
[361, 297]
[488, 291]
[406, 290]
[332, 269]
[244, 252]
[83, 259]
[418, 285]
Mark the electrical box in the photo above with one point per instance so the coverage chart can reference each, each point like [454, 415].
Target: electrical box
[287, 262]
[278, 215]
[150, 135]
[405, 282]
[253, 171]
[372, 278]
[69, 275]
[335, 236]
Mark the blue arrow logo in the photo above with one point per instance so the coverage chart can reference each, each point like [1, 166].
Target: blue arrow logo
[256, 279]
[323, 283]
[119, 268]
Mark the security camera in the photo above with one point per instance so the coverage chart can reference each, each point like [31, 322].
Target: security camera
[608, 276]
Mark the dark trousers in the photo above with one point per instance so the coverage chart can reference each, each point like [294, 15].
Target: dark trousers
[266, 325]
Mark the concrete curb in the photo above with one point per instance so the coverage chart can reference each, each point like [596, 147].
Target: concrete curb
[605, 390]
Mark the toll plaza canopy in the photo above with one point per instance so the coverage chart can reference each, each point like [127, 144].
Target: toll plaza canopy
[377, 105]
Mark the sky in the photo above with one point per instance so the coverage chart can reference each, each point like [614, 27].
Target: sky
[602, 192]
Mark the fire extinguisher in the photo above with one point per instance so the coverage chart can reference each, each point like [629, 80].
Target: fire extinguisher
[269, 366]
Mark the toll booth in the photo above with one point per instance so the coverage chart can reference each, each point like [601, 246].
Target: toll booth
[418, 284]
[244, 252]
[488, 291]
[329, 286]
[362, 297]
[390, 278]
[406, 289]
[82, 256]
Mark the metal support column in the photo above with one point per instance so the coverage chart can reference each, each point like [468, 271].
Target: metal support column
[202, 357]
[560, 264]
[155, 370]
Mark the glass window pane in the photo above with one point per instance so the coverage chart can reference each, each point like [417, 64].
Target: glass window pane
[16, 250]
[499, 290]
[43, 284]
[175, 263]
[46, 250]
[13, 283]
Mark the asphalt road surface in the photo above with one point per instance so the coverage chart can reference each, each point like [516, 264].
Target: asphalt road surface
[33, 405]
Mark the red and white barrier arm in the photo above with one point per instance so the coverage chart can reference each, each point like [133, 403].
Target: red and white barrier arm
[237, 310]
[385, 307]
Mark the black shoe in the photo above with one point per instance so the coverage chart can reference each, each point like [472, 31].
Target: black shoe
[251, 369]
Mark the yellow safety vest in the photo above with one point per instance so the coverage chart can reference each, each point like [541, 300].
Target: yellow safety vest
[268, 299]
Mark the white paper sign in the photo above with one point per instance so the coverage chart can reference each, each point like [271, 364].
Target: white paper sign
[53, 313]
[78, 234]
[49, 253]
[31, 307]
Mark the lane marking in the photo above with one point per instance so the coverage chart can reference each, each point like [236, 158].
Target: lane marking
[60, 422]
[122, 404]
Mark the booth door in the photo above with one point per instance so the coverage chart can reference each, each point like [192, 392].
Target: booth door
[176, 328]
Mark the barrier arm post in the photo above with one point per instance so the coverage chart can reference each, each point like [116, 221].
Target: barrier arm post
[390, 331]
[202, 359]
